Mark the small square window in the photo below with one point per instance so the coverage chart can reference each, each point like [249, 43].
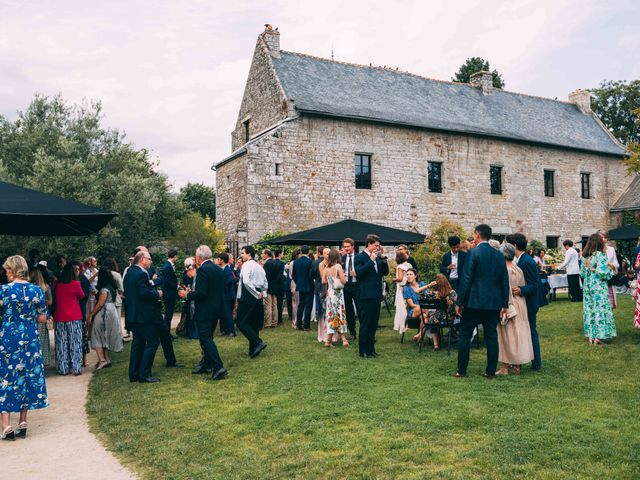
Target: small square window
[434, 171]
[549, 187]
[552, 241]
[362, 164]
[495, 178]
[585, 185]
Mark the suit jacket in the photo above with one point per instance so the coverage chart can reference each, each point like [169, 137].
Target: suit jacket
[485, 280]
[446, 261]
[229, 284]
[209, 294]
[302, 274]
[533, 291]
[169, 281]
[369, 280]
[274, 270]
[140, 298]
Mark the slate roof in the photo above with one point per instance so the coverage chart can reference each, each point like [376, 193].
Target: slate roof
[630, 199]
[345, 90]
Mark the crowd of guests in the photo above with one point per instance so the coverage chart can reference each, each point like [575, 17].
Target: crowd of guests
[481, 282]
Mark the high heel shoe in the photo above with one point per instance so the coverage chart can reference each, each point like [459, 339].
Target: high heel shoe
[22, 430]
[345, 344]
[8, 434]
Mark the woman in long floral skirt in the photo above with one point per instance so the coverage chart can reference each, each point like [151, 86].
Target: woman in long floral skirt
[599, 323]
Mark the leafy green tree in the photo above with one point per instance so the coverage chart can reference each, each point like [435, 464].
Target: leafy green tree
[64, 150]
[286, 249]
[428, 255]
[200, 198]
[617, 103]
[194, 230]
[475, 65]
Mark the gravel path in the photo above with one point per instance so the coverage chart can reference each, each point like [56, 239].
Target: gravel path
[59, 444]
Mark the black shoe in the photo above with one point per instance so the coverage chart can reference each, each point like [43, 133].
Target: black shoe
[173, 337]
[201, 370]
[299, 328]
[307, 329]
[374, 354]
[352, 338]
[256, 351]
[366, 356]
[149, 380]
[175, 365]
[133, 380]
[488, 377]
[220, 374]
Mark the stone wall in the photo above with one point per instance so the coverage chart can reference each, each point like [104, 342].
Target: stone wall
[263, 102]
[231, 198]
[316, 182]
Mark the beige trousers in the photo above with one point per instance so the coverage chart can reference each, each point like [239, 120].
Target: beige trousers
[271, 311]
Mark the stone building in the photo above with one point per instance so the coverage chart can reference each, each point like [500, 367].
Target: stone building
[318, 140]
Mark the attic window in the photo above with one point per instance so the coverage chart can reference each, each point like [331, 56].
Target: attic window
[245, 130]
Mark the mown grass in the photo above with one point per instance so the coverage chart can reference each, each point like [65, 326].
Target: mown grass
[301, 411]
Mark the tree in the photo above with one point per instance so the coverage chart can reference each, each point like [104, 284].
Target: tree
[474, 65]
[200, 198]
[63, 150]
[617, 103]
[194, 230]
[428, 255]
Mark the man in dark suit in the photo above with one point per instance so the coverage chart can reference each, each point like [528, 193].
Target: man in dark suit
[370, 267]
[453, 263]
[209, 299]
[351, 289]
[274, 270]
[532, 291]
[482, 299]
[144, 318]
[169, 287]
[304, 286]
[227, 328]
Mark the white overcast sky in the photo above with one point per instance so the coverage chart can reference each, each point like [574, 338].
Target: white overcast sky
[171, 73]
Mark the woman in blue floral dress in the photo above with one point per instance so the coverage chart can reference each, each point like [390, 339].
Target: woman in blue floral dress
[599, 323]
[22, 385]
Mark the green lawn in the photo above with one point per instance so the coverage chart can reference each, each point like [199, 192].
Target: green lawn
[301, 411]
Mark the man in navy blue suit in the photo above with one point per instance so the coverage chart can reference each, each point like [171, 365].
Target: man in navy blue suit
[304, 286]
[532, 291]
[169, 287]
[227, 328]
[370, 267]
[453, 263]
[482, 299]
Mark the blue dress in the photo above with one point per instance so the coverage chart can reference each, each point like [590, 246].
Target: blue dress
[22, 385]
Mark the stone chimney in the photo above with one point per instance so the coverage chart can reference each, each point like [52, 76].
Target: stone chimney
[582, 99]
[484, 80]
[271, 37]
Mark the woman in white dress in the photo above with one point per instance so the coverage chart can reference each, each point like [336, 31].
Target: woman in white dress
[401, 280]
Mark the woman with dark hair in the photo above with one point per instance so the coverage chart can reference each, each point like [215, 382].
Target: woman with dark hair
[599, 323]
[22, 387]
[35, 277]
[335, 312]
[187, 325]
[111, 264]
[103, 321]
[68, 322]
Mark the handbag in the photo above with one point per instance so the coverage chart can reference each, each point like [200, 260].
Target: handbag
[512, 313]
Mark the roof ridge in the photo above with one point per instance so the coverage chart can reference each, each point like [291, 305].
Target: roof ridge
[404, 72]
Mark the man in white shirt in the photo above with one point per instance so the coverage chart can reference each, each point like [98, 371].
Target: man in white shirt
[252, 288]
[572, 265]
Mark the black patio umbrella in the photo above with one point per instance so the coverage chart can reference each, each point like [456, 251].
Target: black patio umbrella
[334, 233]
[626, 232]
[28, 212]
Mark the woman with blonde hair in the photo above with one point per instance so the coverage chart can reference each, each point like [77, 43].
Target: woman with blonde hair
[22, 387]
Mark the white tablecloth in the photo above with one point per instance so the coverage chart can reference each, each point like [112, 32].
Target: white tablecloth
[557, 281]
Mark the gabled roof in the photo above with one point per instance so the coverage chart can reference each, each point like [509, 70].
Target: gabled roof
[327, 87]
[630, 199]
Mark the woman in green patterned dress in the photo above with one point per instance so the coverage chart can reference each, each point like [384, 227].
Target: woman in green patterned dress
[599, 323]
